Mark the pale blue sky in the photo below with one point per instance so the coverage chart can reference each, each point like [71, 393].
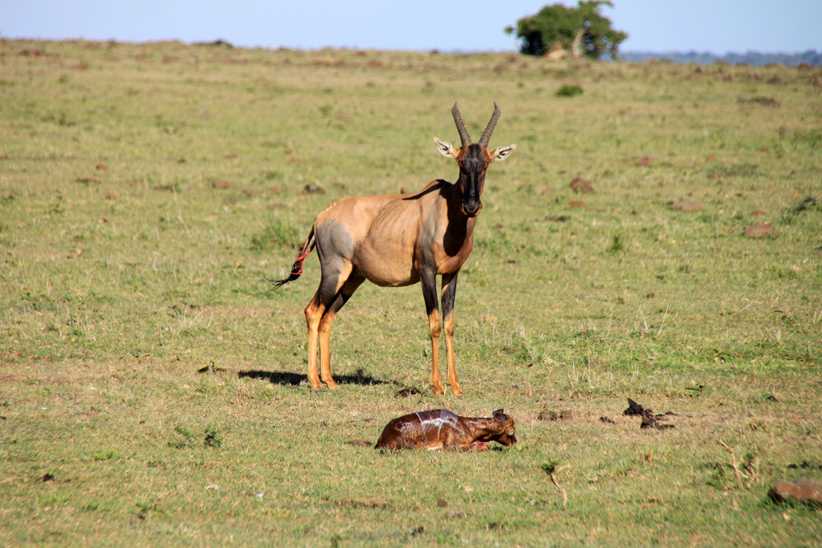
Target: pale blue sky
[717, 26]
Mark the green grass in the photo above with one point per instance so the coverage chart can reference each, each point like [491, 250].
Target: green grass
[153, 384]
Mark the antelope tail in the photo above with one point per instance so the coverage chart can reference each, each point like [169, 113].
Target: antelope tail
[297, 269]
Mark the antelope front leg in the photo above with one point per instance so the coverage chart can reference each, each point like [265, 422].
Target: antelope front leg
[429, 293]
[449, 294]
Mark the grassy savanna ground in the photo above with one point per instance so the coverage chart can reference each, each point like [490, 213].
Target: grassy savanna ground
[121, 286]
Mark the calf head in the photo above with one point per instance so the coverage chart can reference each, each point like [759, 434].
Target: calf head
[473, 160]
[504, 424]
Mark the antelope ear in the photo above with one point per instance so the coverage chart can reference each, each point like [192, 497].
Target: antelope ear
[499, 412]
[445, 148]
[501, 153]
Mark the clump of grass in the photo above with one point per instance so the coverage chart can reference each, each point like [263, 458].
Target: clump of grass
[737, 170]
[181, 443]
[106, 455]
[213, 438]
[811, 137]
[807, 204]
[764, 101]
[569, 91]
[619, 243]
[276, 233]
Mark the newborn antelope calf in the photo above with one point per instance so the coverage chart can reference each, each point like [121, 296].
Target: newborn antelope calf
[441, 429]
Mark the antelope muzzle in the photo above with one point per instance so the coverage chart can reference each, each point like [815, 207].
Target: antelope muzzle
[471, 208]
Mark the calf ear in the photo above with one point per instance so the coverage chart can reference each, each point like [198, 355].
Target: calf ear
[499, 412]
[446, 148]
[501, 153]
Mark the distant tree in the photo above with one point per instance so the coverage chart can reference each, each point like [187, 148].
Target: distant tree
[556, 23]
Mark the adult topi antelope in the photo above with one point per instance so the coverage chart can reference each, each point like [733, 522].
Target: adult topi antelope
[397, 240]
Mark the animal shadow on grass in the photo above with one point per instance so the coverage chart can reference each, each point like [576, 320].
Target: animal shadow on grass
[294, 379]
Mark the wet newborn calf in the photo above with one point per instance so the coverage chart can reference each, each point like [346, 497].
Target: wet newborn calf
[441, 429]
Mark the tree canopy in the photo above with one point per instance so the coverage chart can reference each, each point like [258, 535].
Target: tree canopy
[558, 24]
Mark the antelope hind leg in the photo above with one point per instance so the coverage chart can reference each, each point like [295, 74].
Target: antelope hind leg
[317, 310]
[348, 289]
[313, 315]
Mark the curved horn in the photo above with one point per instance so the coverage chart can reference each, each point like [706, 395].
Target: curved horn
[464, 137]
[489, 129]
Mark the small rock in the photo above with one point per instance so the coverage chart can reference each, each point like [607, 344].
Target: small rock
[313, 189]
[803, 491]
[220, 183]
[805, 465]
[759, 230]
[83, 178]
[687, 206]
[546, 415]
[633, 408]
[366, 502]
[649, 420]
[407, 392]
[578, 184]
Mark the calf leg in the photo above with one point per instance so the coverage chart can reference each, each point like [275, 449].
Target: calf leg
[429, 293]
[449, 293]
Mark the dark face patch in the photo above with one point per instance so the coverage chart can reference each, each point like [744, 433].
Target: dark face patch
[472, 177]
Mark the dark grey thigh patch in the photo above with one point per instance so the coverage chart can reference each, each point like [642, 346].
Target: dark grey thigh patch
[334, 239]
[335, 247]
